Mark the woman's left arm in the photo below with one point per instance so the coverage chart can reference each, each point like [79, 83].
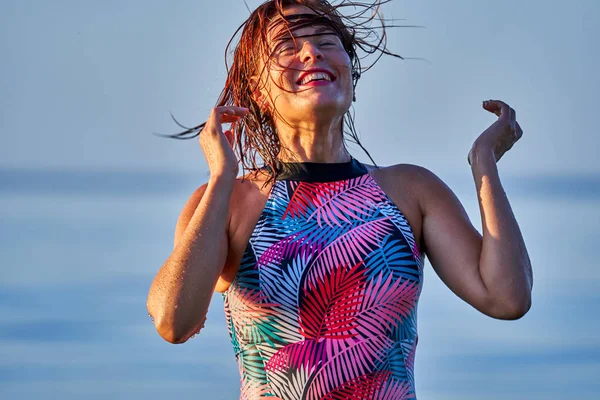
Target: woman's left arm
[492, 273]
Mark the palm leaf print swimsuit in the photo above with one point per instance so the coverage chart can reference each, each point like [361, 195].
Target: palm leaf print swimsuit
[324, 305]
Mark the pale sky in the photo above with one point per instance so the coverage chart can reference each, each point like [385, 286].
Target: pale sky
[84, 83]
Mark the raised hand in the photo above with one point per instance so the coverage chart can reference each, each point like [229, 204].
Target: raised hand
[502, 134]
[217, 145]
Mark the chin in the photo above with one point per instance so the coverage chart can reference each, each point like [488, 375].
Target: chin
[323, 104]
[326, 110]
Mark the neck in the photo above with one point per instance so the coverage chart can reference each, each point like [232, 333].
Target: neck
[312, 142]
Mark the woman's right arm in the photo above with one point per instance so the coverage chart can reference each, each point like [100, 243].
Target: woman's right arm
[183, 287]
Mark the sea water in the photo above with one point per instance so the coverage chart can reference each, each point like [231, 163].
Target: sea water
[78, 251]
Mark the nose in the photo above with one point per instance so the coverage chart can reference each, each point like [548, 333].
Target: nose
[310, 52]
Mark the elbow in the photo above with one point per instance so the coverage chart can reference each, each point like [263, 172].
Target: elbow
[512, 311]
[169, 334]
[174, 335]
[163, 324]
[171, 331]
[166, 332]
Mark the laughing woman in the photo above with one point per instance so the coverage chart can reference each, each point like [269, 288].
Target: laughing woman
[319, 257]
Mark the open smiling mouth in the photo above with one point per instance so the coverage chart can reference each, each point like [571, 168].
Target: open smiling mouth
[315, 77]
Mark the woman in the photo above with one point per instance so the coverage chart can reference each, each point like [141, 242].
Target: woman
[318, 256]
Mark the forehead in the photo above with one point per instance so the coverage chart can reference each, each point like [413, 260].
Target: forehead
[299, 20]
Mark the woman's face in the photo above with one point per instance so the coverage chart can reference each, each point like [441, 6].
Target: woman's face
[308, 75]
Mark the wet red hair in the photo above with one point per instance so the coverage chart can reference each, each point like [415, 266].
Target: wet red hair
[362, 33]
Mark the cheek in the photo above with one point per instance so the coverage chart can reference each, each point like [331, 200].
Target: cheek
[344, 68]
[281, 78]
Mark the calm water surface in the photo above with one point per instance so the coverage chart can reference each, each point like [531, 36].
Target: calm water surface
[78, 252]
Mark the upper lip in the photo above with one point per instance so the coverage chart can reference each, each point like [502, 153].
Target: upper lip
[312, 70]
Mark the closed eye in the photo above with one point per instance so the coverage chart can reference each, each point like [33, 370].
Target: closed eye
[284, 44]
[284, 49]
[327, 43]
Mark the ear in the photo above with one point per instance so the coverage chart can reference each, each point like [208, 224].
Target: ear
[259, 94]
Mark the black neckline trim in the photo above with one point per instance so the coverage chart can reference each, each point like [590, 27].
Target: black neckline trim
[318, 172]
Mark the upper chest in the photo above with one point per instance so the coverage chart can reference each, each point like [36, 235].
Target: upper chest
[250, 199]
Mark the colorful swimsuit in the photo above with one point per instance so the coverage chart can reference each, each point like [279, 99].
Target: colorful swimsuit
[324, 305]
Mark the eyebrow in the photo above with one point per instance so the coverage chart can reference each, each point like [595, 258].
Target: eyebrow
[304, 20]
[322, 30]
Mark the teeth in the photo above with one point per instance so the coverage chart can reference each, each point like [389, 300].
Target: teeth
[315, 76]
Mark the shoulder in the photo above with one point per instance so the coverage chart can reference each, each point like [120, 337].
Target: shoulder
[245, 189]
[241, 185]
[409, 173]
[418, 182]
